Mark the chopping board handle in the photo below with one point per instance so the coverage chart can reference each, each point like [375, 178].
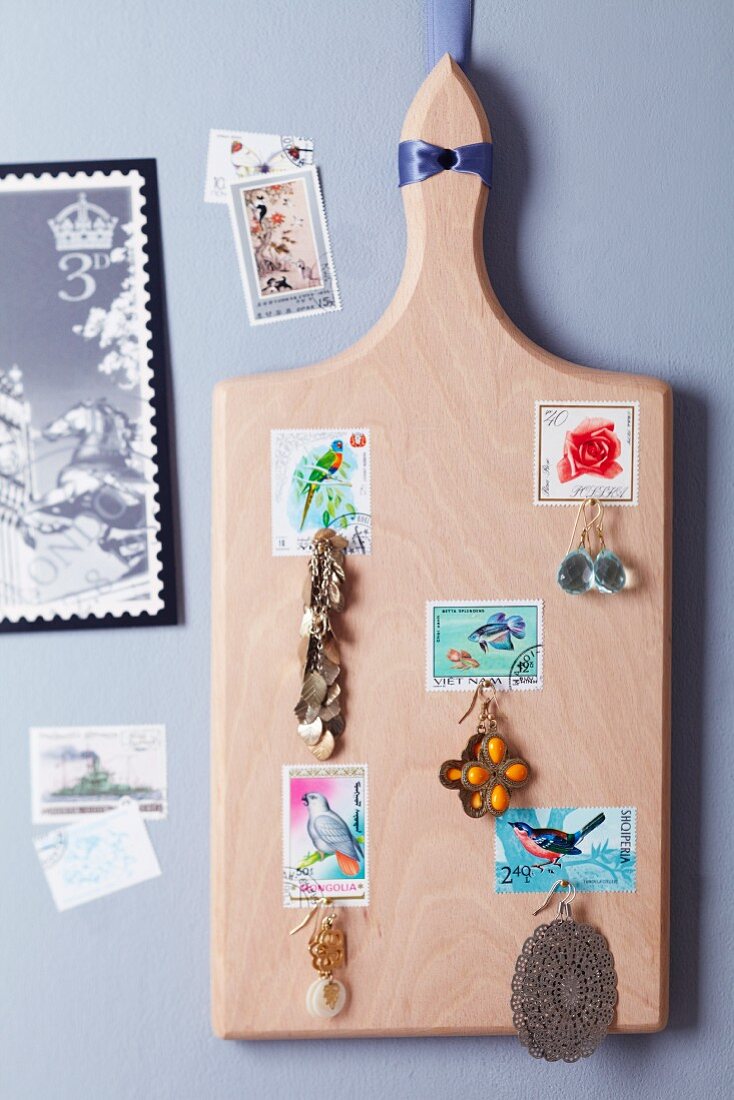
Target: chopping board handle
[445, 213]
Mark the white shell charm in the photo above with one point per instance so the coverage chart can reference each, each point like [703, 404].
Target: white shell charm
[326, 998]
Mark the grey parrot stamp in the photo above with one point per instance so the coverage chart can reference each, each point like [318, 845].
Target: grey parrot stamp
[325, 849]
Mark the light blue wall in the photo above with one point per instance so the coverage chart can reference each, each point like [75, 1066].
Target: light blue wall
[609, 242]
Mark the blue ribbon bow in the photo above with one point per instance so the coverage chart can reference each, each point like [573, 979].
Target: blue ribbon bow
[418, 160]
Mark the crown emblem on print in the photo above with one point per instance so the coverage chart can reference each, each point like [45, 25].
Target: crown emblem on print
[82, 225]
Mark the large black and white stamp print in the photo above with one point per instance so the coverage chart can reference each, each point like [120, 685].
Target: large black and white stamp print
[85, 533]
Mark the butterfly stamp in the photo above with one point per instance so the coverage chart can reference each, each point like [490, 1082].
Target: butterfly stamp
[325, 850]
[499, 640]
[594, 848]
[283, 246]
[585, 450]
[235, 154]
[320, 478]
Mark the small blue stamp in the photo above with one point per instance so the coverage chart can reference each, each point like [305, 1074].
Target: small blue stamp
[497, 640]
[595, 848]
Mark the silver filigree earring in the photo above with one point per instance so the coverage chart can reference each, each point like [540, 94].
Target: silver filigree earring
[564, 990]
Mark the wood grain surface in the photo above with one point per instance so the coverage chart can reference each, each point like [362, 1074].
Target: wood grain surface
[447, 385]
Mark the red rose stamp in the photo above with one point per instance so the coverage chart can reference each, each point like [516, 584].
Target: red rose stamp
[591, 448]
[586, 451]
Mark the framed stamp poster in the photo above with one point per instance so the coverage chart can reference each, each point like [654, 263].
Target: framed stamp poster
[85, 494]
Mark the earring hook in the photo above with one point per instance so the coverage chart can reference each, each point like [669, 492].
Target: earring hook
[486, 702]
[323, 902]
[564, 905]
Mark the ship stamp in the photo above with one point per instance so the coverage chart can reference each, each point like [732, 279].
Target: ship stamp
[283, 247]
[93, 858]
[586, 450]
[325, 850]
[593, 847]
[78, 771]
[472, 640]
[85, 495]
[237, 154]
[320, 478]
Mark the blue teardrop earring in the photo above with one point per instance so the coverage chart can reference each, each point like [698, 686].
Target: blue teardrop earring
[609, 573]
[578, 570]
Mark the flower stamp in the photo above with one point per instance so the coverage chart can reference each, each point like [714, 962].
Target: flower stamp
[586, 451]
[325, 834]
[320, 478]
[595, 848]
[469, 641]
[283, 245]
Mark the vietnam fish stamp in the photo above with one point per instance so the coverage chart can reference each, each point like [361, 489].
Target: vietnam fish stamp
[283, 246]
[594, 847]
[586, 451]
[81, 770]
[325, 852]
[320, 478]
[98, 856]
[472, 640]
[236, 154]
[84, 484]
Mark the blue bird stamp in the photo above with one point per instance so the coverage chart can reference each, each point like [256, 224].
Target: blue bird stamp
[593, 847]
[499, 640]
[325, 852]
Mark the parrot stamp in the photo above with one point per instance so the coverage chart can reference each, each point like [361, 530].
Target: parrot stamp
[325, 834]
[470, 641]
[584, 451]
[235, 155]
[320, 478]
[283, 247]
[594, 847]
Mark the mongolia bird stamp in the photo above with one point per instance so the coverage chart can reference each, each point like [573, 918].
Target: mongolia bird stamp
[283, 246]
[586, 451]
[77, 771]
[320, 478]
[93, 858]
[594, 847]
[236, 154]
[84, 490]
[325, 849]
[498, 640]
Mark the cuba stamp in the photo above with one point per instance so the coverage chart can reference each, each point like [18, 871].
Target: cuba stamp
[82, 770]
[320, 478]
[586, 451]
[84, 487]
[594, 847]
[237, 154]
[98, 856]
[283, 246]
[473, 640]
[325, 849]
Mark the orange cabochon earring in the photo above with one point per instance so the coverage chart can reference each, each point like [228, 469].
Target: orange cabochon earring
[486, 774]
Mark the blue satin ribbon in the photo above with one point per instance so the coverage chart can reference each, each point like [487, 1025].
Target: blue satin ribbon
[418, 160]
[448, 30]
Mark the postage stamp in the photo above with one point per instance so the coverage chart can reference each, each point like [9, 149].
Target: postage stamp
[82, 770]
[471, 640]
[84, 491]
[320, 478]
[236, 154]
[586, 451]
[325, 850]
[98, 856]
[283, 246]
[594, 847]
